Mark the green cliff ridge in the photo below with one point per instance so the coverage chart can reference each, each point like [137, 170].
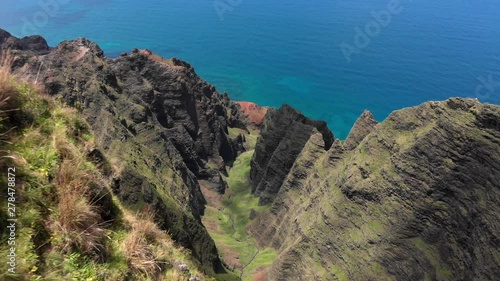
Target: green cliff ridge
[70, 226]
[416, 198]
[135, 168]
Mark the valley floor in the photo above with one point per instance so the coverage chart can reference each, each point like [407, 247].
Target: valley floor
[227, 218]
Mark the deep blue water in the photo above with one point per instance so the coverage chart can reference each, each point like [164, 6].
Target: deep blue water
[274, 52]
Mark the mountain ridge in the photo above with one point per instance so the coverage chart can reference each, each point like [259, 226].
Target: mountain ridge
[414, 197]
[171, 124]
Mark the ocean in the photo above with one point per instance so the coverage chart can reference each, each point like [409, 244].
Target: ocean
[330, 59]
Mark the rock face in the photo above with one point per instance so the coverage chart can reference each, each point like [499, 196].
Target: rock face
[364, 125]
[159, 122]
[194, 114]
[285, 133]
[34, 43]
[417, 198]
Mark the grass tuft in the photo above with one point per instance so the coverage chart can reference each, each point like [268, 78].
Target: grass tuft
[138, 247]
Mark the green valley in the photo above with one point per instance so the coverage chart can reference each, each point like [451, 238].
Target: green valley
[227, 218]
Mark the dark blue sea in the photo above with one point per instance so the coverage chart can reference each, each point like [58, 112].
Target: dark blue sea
[330, 58]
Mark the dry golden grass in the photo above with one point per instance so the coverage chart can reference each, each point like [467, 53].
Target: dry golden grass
[9, 97]
[7, 59]
[8, 91]
[140, 254]
[140, 247]
[78, 221]
[9, 83]
[69, 152]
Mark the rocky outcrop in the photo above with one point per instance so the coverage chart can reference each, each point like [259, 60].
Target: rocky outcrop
[155, 119]
[191, 109]
[364, 125]
[284, 135]
[31, 43]
[416, 199]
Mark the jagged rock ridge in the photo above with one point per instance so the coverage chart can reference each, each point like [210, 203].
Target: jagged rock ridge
[282, 138]
[155, 118]
[415, 197]
[364, 125]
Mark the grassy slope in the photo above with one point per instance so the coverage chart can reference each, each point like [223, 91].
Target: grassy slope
[61, 234]
[231, 215]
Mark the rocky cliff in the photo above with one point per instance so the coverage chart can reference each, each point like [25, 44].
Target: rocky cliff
[415, 197]
[164, 127]
[283, 136]
[363, 126]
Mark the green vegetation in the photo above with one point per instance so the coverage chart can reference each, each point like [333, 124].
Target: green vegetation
[431, 253]
[232, 217]
[250, 136]
[337, 271]
[69, 225]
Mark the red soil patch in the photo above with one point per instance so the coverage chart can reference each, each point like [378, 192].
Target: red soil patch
[230, 257]
[260, 274]
[253, 112]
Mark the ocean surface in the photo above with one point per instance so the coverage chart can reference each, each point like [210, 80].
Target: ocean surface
[328, 58]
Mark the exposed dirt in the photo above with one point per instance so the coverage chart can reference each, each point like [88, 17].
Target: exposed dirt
[253, 112]
[260, 274]
[213, 198]
[231, 257]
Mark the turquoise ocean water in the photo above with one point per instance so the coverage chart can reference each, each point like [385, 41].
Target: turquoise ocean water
[275, 52]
